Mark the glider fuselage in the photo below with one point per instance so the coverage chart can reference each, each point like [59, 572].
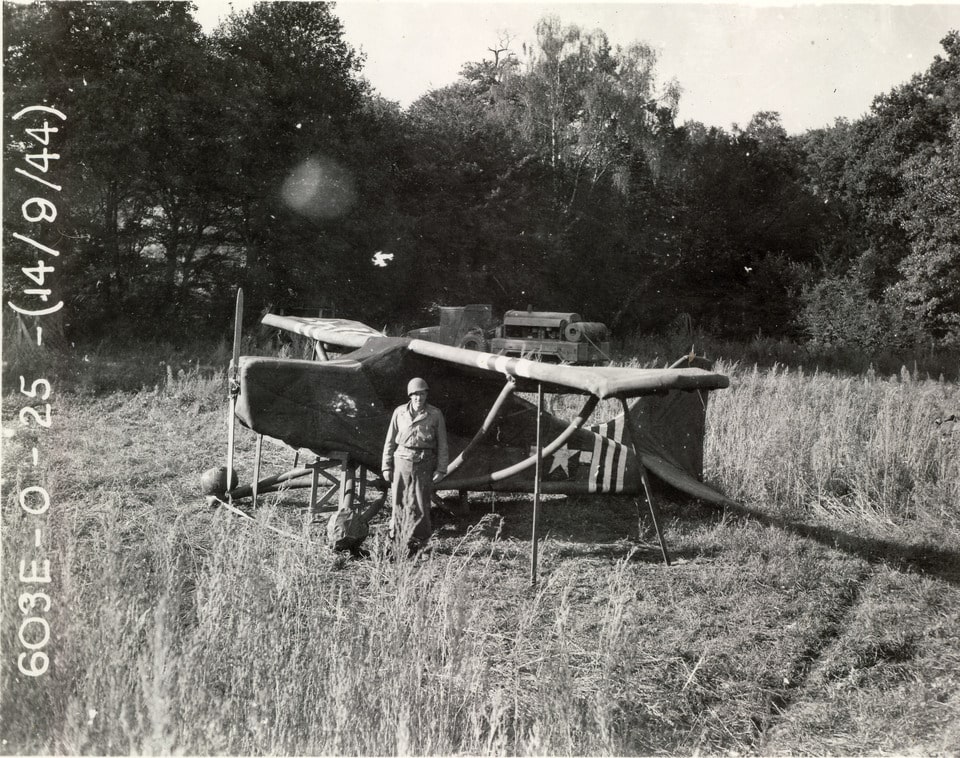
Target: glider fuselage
[345, 405]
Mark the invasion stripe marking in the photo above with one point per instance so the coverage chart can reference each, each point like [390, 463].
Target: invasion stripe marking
[608, 470]
[595, 463]
[612, 450]
[622, 468]
[605, 453]
[619, 429]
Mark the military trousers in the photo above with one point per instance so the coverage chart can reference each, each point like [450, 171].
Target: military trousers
[412, 491]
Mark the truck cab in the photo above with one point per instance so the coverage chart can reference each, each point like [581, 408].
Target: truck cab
[467, 326]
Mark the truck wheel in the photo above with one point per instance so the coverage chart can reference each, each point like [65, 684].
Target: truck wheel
[474, 341]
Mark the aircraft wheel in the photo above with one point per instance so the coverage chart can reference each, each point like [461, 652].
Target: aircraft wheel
[213, 483]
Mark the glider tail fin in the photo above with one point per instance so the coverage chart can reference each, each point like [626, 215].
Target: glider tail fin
[671, 429]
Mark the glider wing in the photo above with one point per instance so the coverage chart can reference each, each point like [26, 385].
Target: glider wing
[601, 381]
[332, 331]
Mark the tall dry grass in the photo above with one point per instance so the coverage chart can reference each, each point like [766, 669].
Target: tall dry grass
[866, 449]
[178, 629]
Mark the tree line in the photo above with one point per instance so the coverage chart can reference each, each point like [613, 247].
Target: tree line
[556, 175]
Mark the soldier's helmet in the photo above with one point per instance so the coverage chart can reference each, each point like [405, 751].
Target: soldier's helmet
[416, 385]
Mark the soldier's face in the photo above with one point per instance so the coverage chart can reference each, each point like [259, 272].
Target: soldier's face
[418, 400]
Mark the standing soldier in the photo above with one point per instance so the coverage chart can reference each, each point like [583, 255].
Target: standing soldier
[415, 456]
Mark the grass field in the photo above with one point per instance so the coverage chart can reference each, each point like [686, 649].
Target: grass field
[821, 618]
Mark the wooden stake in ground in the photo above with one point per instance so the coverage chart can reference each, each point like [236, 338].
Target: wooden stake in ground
[234, 388]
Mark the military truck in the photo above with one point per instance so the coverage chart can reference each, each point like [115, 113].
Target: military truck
[540, 335]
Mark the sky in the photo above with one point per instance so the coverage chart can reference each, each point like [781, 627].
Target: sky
[812, 63]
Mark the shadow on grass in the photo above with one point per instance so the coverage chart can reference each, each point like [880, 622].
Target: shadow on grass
[601, 527]
[605, 527]
[610, 527]
[917, 558]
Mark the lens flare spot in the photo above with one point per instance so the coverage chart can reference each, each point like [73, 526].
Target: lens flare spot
[319, 188]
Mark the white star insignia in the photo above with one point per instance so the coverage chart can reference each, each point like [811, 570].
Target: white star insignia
[561, 459]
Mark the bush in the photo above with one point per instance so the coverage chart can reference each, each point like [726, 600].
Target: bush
[839, 312]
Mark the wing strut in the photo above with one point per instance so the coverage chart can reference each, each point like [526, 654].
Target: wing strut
[484, 429]
[505, 473]
[634, 435]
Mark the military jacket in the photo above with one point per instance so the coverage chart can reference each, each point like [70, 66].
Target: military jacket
[415, 437]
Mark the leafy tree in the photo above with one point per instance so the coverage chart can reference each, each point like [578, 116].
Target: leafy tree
[254, 157]
[883, 179]
[474, 190]
[741, 228]
[589, 106]
[591, 116]
[902, 123]
[608, 209]
[534, 208]
[132, 79]
[843, 237]
[930, 209]
[294, 100]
